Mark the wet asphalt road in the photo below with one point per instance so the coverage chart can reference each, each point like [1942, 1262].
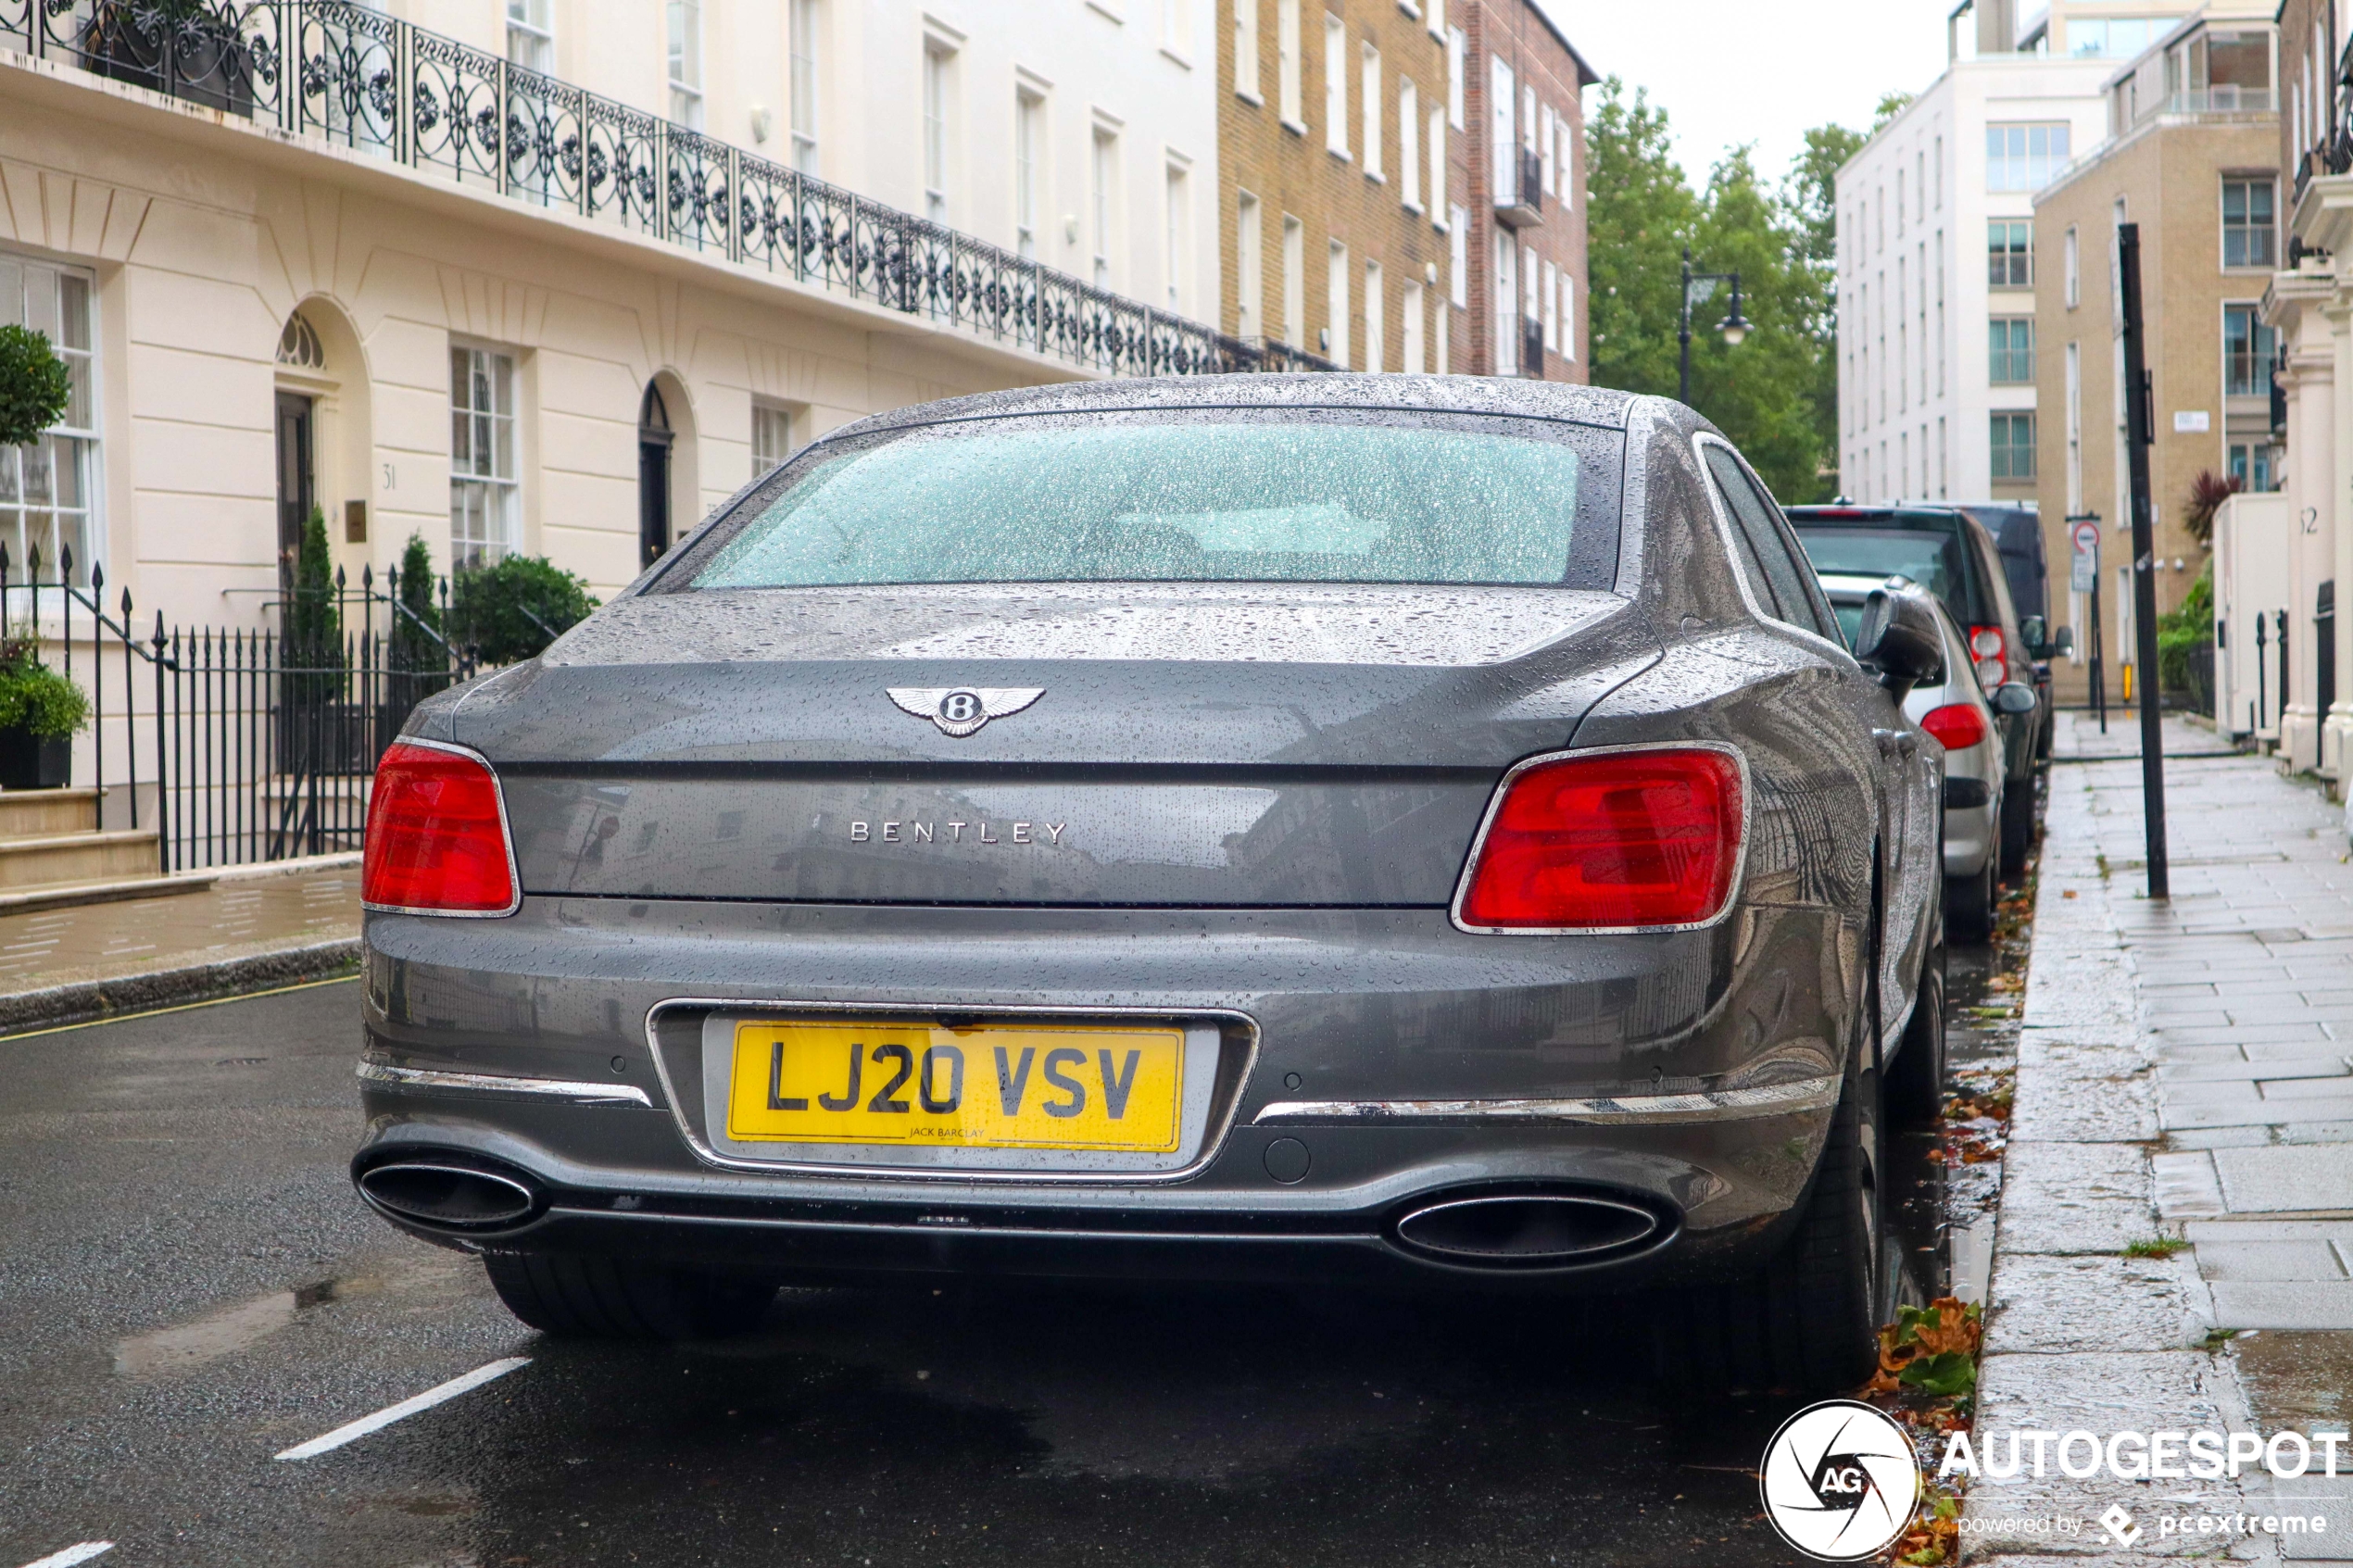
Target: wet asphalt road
[188, 1286]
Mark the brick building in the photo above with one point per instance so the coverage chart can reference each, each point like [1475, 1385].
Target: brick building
[1518, 274]
[1334, 162]
[1358, 209]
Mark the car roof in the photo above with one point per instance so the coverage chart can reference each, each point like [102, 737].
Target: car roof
[1454, 394]
[1853, 516]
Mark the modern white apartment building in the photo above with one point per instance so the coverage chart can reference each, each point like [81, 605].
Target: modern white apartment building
[1936, 254]
[555, 276]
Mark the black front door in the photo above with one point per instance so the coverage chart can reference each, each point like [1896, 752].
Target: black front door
[653, 478]
[296, 491]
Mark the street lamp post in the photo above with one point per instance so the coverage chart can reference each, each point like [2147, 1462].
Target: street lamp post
[1734, 326]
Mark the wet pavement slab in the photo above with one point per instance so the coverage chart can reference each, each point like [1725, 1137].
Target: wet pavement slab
[192, 1289]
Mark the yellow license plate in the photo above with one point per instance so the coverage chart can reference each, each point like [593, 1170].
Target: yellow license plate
[995, 1086]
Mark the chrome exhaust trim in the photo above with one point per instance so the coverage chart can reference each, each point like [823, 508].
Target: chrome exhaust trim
[1528, 1230]
[449, 1196]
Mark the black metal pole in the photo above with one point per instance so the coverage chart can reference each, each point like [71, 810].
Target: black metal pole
[1683, 334]
[2138, 436]
[2100, 663]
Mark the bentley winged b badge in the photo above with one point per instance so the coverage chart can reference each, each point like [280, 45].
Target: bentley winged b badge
[959, 710]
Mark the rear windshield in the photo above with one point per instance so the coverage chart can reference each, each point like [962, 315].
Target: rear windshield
[1930, 560]
[1220, 496]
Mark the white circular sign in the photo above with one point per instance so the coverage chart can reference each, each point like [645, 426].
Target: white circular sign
[1840, 1481]
[2087, 537]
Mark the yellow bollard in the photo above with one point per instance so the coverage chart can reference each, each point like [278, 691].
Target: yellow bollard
[2128, 682]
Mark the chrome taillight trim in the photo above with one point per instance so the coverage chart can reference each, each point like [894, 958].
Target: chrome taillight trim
[506, 839]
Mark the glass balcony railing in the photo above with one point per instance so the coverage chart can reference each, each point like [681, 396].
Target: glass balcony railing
[2222, 100]
[354, 77]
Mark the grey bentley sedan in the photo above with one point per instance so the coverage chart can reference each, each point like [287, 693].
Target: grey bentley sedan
[1366, 829]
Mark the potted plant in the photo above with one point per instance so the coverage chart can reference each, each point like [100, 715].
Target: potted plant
[39, 711]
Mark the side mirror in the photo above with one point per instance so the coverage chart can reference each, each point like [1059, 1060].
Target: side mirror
[2014, 698]
[2030, 631]
[1899, 637]
[2063, 640]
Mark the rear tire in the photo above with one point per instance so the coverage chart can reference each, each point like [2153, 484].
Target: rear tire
[1969, 905]
[1914, 1090]
[2017, 826]
[1810, 1320]
[607, 1298]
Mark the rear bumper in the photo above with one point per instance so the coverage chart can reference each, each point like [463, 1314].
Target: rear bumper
[1347, 1007]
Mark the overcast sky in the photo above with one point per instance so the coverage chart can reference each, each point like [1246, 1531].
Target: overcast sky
[1729, 71]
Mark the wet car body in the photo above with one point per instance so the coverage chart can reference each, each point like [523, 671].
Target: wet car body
[1949, 552]
[1239, 809]
[1975, 775]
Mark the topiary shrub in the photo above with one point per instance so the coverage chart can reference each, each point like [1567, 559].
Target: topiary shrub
[512, 612]
[36, 385]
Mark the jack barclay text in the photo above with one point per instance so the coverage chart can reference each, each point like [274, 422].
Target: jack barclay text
[920, 833]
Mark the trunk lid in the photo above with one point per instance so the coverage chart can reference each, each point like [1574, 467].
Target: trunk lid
[1234, 744]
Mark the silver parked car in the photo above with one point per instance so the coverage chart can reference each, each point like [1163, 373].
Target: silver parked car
[1357, 829]
[1965, 720]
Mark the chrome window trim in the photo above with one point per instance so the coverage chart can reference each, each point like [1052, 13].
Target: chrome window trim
[1599, 1110]
[1721, 508]
[1213, 1140]
[1502, 788]
[501, 1083]
[506, 836]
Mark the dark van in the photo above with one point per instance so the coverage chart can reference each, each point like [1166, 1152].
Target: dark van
[1953, 555]
[2017, 534]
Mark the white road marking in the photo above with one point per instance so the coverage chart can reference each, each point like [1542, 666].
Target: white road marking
[400, 1412]
[73, 1554]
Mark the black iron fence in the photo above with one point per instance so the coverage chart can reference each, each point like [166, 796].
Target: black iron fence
[355, 77]
[236, 745]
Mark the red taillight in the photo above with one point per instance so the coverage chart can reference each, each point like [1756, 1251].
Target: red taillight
[1624, 838]
[436, 838]
[1991, 651]
[1956, 725]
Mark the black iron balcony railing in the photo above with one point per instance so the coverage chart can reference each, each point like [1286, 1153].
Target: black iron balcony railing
[359, 79]
[1519, 197]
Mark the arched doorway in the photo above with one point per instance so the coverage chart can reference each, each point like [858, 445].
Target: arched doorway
[655, 437]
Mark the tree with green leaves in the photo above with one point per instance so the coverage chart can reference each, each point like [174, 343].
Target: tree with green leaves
[36, 385]
[1776, 394]
[1640, 214]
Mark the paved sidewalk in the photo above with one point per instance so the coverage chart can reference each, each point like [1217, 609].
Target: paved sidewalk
[256, 926]
[2186, 1069]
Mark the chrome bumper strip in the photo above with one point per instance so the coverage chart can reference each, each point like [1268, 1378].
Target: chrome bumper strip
[499, 1083]
[1709, 1105]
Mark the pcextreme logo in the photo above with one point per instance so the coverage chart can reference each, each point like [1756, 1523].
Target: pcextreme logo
[1840, 1481]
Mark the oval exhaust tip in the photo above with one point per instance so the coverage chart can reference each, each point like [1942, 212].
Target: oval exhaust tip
[1526, 1230]
[456, 1196]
